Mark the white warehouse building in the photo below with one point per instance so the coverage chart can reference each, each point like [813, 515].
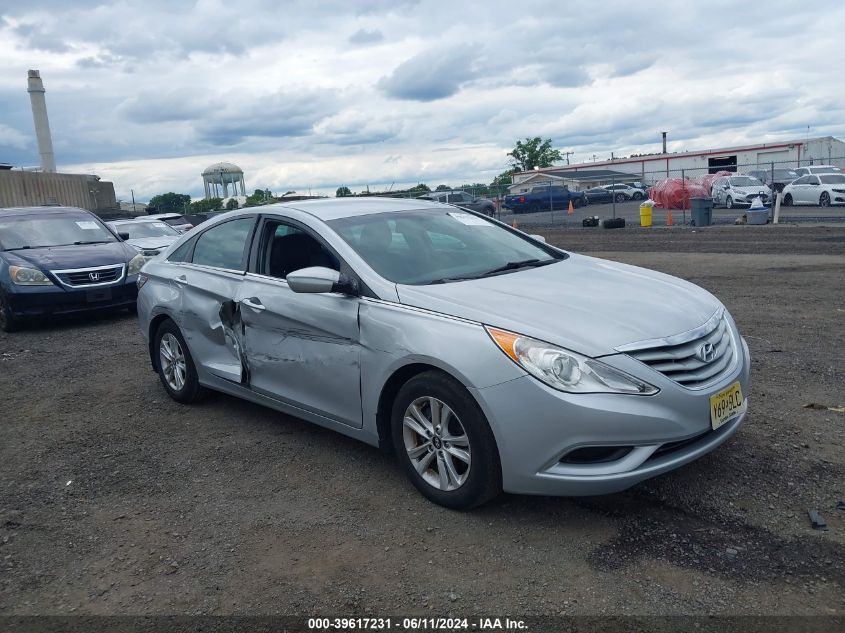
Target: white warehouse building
[825, 150]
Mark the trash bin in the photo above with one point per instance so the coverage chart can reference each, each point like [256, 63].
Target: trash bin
[645, 212]
[702, 211]
[758, 216]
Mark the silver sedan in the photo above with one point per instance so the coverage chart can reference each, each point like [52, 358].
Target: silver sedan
[486, 359]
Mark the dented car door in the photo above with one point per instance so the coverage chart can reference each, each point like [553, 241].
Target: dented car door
[209, 285]
[302, 349]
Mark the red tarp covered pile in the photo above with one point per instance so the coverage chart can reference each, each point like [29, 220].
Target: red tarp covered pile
[674, 193]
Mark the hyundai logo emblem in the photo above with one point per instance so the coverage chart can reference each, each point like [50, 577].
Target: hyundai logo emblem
[94, 276]
[706, 353]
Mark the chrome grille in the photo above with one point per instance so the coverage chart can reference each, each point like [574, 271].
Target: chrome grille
[685, 361]
[89, 276]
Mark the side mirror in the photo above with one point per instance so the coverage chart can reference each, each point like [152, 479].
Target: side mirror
[124, 236]
[539, 238]
[318, 280]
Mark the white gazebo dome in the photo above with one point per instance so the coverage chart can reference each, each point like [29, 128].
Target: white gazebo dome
[216, 179]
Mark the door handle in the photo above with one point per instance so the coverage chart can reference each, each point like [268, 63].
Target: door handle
[254, 303]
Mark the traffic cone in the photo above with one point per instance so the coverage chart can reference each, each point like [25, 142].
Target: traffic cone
[571, 209]
[669, 217]
[514, 225]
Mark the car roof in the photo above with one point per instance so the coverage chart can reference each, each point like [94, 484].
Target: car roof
[157, 216]
[333, 208]
[45, 210]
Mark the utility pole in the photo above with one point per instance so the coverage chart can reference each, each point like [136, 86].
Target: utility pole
[566, 155]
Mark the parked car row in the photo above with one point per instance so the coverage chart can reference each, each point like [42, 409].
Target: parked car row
[818, 185]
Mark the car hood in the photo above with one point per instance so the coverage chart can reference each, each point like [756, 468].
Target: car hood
[584, 304]
[152, 243]
[69, 257]
[748, 190]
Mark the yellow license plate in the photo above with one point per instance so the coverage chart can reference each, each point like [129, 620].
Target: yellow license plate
[725, 405]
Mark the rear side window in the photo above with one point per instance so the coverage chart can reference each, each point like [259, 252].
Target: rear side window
[225, 245]
[183, 253]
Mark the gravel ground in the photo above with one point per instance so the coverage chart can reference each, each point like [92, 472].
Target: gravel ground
[116, 500]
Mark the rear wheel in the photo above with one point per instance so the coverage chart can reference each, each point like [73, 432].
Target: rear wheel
[8, 321]
[444, 443]
[787, 200]
[824, 199]
[175, 365]
[534, 208]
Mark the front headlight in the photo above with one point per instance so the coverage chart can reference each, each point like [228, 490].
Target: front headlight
[564, 370]
[28, 276]
[136, 264]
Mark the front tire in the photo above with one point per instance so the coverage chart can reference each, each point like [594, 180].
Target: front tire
[620, 197]
[444, 442]
[638, 196]
[824, 199]
[729, 203]
[175, 365]
[8, 321]
[787, 200]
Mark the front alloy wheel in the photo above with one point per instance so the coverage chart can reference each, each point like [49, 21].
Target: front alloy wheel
[436, 443]
[444, 442]
[824, 199]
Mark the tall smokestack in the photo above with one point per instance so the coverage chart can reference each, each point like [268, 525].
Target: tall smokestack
[664, 141]
[35, 88]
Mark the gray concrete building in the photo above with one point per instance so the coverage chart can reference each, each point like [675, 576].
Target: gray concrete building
[33, 189]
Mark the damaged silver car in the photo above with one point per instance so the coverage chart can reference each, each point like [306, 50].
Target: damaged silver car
[486, 359]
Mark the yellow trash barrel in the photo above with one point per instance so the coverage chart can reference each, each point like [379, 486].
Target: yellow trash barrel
[645, 214]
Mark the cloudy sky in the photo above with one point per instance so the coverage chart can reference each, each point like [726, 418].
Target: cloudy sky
[314, 94]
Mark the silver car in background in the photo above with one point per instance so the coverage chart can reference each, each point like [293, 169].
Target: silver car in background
[149, 237]
[485, 358]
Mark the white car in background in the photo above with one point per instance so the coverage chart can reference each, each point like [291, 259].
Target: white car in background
[810, 170]
[823, 190]
[738, 191]
[149, 237]
[625, 192]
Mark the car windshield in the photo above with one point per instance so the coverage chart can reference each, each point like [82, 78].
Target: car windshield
[438, 246]
[745, 181]
[54, 229]
[145, 229]
[833, 179]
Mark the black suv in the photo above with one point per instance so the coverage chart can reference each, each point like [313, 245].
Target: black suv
[61, 260]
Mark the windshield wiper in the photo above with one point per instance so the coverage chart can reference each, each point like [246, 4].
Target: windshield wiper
[525, 263]
[80, 243]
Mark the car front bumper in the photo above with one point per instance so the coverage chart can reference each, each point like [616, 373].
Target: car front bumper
[45, 301]
[536, 426]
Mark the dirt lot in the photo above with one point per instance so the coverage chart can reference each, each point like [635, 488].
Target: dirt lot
[114, 499]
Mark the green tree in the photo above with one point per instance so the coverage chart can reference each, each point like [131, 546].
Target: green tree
[343, 192]
[420, 188]
[259, 197]
[205, 205]
[170, 202]
[443, 188]
[231, 204]
[533, 152]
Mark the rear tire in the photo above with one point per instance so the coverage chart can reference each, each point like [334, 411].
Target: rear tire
[534, 208]
[8, 321]
[461, 473]
[175, 365]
